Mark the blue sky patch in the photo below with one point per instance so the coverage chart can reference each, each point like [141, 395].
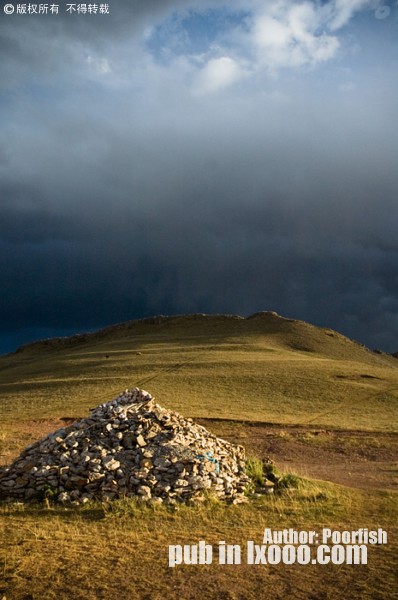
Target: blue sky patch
[194, 32]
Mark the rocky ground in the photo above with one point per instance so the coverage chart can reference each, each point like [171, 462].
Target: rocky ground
[353, 458]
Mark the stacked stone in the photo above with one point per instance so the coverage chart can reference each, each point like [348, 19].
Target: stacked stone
[129, 446]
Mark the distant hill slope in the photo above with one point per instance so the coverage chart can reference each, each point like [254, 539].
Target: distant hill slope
[280, 331]
[262, 368]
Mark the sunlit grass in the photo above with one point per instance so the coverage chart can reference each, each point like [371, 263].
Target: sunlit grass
[285, 373]
[241, 381]
[120, 549]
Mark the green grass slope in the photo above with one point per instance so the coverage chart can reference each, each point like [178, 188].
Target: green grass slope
[262, 368]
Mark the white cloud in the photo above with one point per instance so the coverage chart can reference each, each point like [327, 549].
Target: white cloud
[218, 73]
[98, 65]
[288, 34]
[269, 33]
[272, 35]
[343, 10]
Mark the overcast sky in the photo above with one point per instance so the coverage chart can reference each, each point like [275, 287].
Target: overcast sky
[200, 156]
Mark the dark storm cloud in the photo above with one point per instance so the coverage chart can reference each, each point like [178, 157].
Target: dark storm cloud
[125, 18]
[50, 48]
[125, 193]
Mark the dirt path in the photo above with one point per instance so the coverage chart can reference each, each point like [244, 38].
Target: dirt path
[351, 458]
[365, 460]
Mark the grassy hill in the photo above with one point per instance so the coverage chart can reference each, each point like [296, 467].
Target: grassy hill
[262, 368]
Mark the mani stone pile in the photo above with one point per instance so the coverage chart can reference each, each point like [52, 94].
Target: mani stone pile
[129, 446]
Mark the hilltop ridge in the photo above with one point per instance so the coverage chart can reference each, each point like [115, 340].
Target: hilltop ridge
[290, 334]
